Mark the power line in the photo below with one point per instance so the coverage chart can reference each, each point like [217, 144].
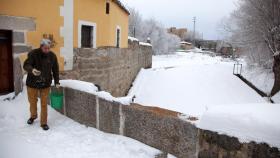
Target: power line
[194, 22]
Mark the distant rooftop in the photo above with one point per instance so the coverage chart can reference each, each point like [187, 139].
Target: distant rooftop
[184, 42]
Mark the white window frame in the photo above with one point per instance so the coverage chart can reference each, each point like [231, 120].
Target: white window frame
[116, 36]
[86, 23]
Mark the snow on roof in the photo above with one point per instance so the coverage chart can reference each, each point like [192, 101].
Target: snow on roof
[133, 39]
[121, 5]
[145, 44]
[248, 122]
[184, 42]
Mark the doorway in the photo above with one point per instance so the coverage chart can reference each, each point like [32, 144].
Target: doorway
[6, 62]
[87, 36]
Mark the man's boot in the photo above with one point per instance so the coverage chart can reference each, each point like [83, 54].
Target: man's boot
[30, 121]
[45, 127]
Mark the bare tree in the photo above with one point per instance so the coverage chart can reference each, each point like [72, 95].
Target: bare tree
[256, 26]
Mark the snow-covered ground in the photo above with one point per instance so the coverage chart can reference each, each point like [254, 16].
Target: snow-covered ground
[65, 139]
[248, 122]
[204, 87]
[261, 78]
[191, 83]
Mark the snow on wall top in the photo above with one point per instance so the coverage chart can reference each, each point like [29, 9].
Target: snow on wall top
[183, 42]
[248, 122]
[133, 39]
[145, 44]
[91, 88]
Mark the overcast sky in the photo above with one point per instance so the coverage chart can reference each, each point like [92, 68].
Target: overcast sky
[179, 13]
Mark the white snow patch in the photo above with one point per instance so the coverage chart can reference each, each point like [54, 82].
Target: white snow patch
[248, 122]
[261, 78]
[191, 83]
[132, 39]
[65, 138]
[184, 42]
[276, 98]
[145, 44]
[91, 88]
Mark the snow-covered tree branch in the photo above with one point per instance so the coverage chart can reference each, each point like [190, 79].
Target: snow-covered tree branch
[162, 41]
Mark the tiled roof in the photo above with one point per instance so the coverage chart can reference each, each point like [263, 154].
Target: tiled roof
[121, 5]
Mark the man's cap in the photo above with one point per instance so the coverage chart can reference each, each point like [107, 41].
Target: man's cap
[45, 42]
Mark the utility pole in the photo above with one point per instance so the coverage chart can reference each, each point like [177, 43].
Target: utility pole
[194, 21]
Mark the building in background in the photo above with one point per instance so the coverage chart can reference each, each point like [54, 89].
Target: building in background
[68, 24]
[180, 32]
[186, 45]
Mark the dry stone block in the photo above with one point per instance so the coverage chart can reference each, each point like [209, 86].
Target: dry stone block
[80, 106]
[109, 117]
[214, 145]
[161, 130]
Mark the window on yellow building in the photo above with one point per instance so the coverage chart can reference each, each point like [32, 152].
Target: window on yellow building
[107, 8]
[118, 37]
[87, 39]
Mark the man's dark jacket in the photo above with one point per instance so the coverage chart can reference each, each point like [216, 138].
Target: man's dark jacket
[44, 62]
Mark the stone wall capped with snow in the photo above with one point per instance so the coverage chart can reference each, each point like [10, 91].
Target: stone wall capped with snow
[113, 69]
[160, 128]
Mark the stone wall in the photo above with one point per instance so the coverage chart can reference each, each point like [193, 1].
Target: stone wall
[214, 145]
[20, 26]
[113, 69]
[159, 128]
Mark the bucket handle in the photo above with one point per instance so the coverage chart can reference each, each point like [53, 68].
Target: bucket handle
[57, 90]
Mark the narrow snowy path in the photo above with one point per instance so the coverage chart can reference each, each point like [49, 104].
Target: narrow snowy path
[65, 139]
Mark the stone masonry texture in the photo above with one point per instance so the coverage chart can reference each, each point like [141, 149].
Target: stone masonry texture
[18, 37]
[159, 128]
[17, 23]
[167, 133]
[109, 118]
[214, 145]
[80, 106]
[113, 69]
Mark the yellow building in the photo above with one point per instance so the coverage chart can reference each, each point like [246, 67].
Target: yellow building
[68, 23]
[72, 24]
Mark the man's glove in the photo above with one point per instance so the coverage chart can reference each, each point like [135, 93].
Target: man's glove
[57, 86]
[36, 72]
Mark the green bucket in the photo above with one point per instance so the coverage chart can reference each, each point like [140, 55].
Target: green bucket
[56, 97]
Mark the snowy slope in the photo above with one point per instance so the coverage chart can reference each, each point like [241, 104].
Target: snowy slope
[191, 83]
[65, 139]
[261, 78]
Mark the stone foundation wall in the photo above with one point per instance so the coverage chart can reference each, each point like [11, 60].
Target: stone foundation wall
[156, 127]
[113, 69]
[214, 145]
[159, 128]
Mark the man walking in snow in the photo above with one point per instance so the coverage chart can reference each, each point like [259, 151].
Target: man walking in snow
[41, 66]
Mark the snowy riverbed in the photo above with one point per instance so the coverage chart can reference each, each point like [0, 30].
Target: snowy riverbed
[204, 87]
[191, 83]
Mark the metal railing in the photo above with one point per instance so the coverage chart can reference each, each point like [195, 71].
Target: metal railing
[237, 68]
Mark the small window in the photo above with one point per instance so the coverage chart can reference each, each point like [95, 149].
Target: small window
[107, 8]
[87, 39]
[118, 37]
